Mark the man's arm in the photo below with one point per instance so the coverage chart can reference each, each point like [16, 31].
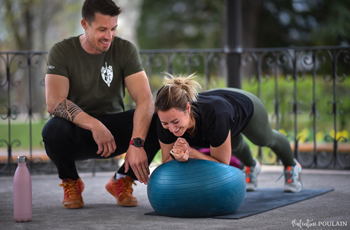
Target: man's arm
[56, 89]
[138, 87]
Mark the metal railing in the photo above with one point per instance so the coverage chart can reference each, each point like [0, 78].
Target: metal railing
[283, 78]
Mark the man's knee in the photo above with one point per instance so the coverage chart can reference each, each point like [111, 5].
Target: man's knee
[55, 129]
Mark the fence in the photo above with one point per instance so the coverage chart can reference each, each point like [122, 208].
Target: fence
[306, 92]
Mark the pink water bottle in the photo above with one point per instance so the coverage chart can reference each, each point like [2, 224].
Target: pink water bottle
[22, 192]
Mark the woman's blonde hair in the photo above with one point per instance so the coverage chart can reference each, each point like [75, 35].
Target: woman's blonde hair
[176, 92]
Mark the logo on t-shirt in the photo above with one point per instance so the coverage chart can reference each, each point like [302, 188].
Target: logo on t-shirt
[107, 74]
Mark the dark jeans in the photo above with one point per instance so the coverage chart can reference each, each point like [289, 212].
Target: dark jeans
[66, 143]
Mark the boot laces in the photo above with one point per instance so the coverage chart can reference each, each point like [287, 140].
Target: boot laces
[70, 188]
[128, 186]
[123, 186]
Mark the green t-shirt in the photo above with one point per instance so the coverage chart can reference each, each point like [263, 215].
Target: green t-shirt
[96, 82]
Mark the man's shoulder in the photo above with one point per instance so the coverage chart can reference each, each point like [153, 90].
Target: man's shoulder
[122, 44]
[119, 40]
[67, 42]
[64, 46]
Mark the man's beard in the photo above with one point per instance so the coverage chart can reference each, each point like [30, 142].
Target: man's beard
[96, 47]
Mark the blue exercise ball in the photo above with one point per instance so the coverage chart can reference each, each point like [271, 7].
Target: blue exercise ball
[196, 188]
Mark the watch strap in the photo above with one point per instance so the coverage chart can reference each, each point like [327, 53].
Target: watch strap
[137, 142]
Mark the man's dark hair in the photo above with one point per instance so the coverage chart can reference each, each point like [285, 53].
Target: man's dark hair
[105, 7]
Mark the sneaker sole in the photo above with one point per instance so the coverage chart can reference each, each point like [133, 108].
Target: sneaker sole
[289, 190]
[74, 205]
[250, 189]
[128, 203]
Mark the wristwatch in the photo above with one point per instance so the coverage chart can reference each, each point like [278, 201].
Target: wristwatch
[137, 142]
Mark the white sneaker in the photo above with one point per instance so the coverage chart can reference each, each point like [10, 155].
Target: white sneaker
[292, 178]
[251, 174]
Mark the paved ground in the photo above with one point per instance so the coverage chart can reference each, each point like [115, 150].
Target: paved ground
[102, 212]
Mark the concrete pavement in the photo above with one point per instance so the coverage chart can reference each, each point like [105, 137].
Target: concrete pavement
[327, 211]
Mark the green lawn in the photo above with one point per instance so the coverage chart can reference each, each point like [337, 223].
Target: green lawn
[21, 132]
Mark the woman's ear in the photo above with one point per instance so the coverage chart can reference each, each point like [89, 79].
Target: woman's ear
[188, 107]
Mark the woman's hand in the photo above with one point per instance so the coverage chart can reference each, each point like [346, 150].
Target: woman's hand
[180, 155]
[181, 150]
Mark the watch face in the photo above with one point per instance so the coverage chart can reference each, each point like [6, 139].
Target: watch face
[138, 142]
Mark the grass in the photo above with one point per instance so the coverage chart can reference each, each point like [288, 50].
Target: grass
[21, 132]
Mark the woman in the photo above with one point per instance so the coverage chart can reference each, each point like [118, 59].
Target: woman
[218, 119]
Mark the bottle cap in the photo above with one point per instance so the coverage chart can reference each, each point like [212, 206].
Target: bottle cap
[21, 159]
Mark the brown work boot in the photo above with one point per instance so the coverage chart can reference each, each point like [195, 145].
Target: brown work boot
[122, 190]
[72, 193]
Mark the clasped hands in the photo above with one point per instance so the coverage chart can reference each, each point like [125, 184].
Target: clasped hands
[181, 150]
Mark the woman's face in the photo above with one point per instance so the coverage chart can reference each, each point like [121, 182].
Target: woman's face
[175, 120]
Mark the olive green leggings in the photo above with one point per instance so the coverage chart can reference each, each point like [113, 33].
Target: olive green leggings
[260, 133]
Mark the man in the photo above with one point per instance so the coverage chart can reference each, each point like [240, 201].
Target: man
[85, 82]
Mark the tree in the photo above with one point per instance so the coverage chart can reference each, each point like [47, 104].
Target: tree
[304, 23]
[27, 23]
[265, 23]
[181, 24]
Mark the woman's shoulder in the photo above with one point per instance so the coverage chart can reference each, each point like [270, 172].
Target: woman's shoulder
[211, 102]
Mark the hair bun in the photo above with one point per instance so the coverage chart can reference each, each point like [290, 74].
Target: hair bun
[176, 93]
[185, 83]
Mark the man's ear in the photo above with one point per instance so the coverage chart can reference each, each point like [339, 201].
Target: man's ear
[84, 23]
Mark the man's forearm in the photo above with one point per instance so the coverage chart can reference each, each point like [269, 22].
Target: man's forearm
[142, 119]
[67, 110]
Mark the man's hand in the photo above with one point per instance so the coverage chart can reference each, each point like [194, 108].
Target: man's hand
[104, 140]
[137, 159]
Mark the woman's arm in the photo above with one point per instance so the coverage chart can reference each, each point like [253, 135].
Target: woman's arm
[166, 148]
[221, 153]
